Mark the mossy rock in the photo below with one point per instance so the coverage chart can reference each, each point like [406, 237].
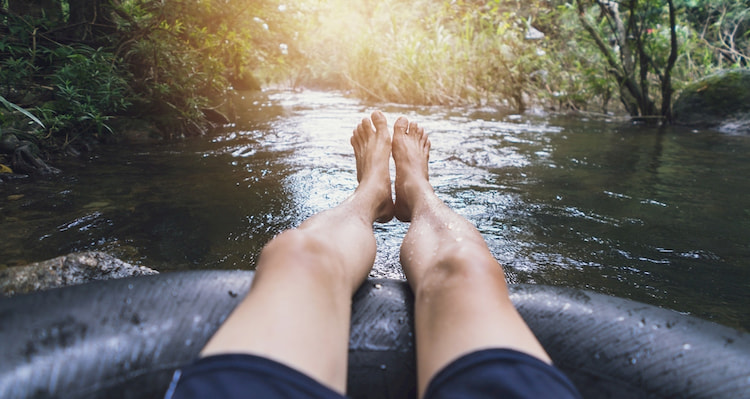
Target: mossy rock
[718, 100]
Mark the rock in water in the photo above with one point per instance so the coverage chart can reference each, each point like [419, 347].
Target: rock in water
[66, 270]
[720, 101]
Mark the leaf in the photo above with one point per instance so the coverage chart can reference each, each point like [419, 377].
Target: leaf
[12, 106]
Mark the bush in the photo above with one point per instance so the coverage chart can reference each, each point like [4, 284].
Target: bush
[164, 61]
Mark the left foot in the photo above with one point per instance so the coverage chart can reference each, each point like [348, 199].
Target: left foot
[372, 149]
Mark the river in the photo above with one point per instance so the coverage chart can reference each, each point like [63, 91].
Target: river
[658, 216]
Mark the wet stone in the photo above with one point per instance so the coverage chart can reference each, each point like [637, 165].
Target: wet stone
[66, 270]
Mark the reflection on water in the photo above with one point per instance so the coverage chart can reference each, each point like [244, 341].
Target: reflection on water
[660, 217]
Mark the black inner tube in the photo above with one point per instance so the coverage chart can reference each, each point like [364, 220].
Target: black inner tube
[124, 338]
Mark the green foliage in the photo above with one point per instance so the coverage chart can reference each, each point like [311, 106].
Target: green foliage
[723, 26]
[501, 62]
[160, 60]
[75, 88]
[89, 88]
[417, 52]
[477, 51]
[640, 49]
[168, 60]
[185, 55]
[408, 65]
[577, 76]
[13, 107]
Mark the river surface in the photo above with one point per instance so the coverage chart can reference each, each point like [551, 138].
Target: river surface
[658, 216]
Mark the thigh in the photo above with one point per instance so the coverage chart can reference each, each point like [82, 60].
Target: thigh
[464, 311]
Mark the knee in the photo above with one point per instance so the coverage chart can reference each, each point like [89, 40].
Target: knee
[298, 251]
[463, 266]
[470, 260]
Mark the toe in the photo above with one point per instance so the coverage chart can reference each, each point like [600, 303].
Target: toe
[379, 120]
[366, 126]
[401, 125]
[413, 128]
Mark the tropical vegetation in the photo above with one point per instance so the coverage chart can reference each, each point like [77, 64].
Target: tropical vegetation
[69, 69]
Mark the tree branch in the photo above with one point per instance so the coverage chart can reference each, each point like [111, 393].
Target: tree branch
[605, 50]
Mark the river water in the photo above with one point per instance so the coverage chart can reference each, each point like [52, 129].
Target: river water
[658, 216]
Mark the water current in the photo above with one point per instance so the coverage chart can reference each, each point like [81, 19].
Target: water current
[658, 216]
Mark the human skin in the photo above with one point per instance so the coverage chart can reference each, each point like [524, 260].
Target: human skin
[298, 309]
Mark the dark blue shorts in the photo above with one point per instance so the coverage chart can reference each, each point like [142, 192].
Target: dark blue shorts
[491, 373]
[500, 373]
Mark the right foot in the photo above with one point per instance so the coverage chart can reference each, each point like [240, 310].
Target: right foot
[411, 152]
[372, 150]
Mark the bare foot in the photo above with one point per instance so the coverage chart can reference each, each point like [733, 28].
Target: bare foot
[372, 149]
[411, 152]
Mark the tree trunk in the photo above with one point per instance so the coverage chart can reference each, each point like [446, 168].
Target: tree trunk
[634, 64]
[89, 17]
[630, 92]
[666, 83]
[621, 34]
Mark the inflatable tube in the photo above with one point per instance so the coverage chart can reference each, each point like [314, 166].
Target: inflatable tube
[124, 338]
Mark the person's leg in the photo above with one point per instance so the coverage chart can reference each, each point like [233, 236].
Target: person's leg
[298, 309]
[461, 298]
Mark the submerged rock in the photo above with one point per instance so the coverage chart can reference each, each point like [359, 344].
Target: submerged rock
[24, 155]
[720, 101]
[66, 270]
